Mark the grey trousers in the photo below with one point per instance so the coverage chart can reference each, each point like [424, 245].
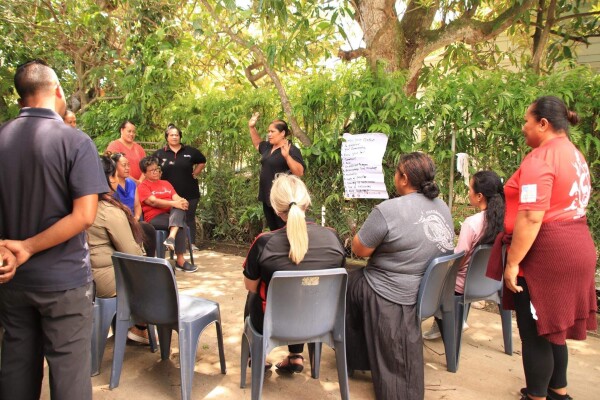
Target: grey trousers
[52, 325]
[175, 217]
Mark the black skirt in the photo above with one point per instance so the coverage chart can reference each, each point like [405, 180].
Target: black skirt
[385, 338]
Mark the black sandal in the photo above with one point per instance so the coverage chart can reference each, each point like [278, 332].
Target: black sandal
[268, 365]
[289, 367]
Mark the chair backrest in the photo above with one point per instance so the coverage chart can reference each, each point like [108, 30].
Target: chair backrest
[437, 285]
[305, 305]
[146, 289]
[477, 285]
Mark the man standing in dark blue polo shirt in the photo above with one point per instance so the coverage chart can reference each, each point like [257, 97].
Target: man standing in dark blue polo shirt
[50, 177]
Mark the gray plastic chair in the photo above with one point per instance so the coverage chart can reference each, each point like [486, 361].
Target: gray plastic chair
[147, 293]
[161, 236]
[302, 307]
[104, 311]
[479, 287]
[436, 298]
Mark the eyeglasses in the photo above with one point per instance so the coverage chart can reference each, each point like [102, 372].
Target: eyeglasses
[157, 169]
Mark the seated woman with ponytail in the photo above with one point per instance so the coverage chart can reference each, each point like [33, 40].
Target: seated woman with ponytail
[299, 245]
[486, 193]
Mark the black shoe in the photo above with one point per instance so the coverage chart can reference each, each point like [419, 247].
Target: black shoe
[186, 267]
[552, 395]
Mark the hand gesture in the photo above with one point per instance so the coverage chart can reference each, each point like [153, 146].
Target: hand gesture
[20, 250]
[8, 265]
[253, 119]
[181, 203]
[285, 148]
[510, 278]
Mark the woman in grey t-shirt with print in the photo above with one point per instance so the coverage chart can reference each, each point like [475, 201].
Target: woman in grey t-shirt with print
[400, 236]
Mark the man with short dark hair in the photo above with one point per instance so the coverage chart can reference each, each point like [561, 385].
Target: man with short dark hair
[50, 178]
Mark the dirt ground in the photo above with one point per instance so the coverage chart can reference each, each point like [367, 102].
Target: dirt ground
[485, 372]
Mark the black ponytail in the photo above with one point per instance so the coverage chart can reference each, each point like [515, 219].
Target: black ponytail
[488, 183]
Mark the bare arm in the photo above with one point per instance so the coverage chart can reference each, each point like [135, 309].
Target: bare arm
[8, 265]
[137, 206]
[81, 218]
[176, 201]
[360, 249]
[198, 169]
[253, 132]
[295, 167]
[251, 286]
[527, 227]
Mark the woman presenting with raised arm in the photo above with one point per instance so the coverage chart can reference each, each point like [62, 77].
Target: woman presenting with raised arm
[278, 154]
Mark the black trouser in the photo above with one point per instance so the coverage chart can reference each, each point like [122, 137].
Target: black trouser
[190, 217]
[273, 221]
[544, 363]
[149, 240]
[257, 317]
[55, 325]
[163, 222]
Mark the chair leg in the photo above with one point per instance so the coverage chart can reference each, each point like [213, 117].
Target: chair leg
[258, 368]
[164, 337]
[506, 330]
[342, 368]
[460, 319]
[221, 347]
[314, 355]
[104, 312]
[118, 352]
[187, 359]
[96, 341]
[244, 355]
[449, 338]
[160, 248]
[152, 338]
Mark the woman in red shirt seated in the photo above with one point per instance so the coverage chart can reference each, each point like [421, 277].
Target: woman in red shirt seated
[164, 209]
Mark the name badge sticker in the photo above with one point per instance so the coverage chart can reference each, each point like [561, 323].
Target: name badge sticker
[528, 193]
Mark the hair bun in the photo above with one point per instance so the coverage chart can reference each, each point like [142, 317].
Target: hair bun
[572, 117]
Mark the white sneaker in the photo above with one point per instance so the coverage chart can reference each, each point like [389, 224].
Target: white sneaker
[432, 333]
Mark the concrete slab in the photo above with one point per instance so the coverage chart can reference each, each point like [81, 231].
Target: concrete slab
[485, 372]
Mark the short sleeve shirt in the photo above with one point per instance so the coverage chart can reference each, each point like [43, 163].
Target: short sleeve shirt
[44, 166]
[554, 178]
[269, 254]
[470, 233]
[160, 189]
[406, 233]
[177, 168]
[133, 155]
[126, 195]
[272, 164]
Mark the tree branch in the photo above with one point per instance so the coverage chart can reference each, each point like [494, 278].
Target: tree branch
[467, 30]
[105, 98]
[348, 55]
[580, 15]
[262, 59]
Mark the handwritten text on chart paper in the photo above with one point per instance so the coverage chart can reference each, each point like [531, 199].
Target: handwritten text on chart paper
[362, 155]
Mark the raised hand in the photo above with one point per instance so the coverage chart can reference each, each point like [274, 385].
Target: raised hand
[253, 120]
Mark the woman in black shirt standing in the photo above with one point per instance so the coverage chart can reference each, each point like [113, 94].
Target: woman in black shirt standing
[278, 154]
[181, 166]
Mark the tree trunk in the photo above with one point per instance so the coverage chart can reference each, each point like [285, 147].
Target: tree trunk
[404, 44]
[545, 20]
